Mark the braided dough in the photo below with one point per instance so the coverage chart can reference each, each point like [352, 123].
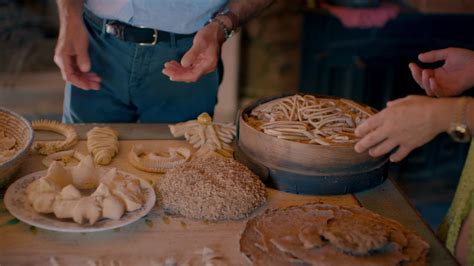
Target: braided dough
[48, 147]
[102, 143]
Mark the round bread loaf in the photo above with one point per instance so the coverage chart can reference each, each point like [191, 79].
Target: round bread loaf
[211, 188]
[323, 234]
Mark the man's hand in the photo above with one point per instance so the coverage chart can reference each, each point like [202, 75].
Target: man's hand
[72, 57]
[201, 59]
[454, 77]
[406, 123]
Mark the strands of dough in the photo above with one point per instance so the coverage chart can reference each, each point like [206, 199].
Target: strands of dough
[323, 234]
[7, 147]
[153, 162]
[48, 147]
[103, 144]
[206, 136]
[309, 119]
[58, 192]
[212, 188]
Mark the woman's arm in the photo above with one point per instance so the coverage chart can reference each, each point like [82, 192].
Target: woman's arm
[408, 123]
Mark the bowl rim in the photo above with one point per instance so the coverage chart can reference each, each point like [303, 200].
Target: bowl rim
[25, 148]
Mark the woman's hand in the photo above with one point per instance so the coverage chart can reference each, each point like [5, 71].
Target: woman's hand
[454, 77]
[406, 123]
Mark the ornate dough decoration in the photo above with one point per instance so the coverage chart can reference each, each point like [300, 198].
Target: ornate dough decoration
[103, 144]
[48, 147]
[206, 136]
[309, 119]
[152, 162]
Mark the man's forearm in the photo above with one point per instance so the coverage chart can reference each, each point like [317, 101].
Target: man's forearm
[69, 9]
[245, 10]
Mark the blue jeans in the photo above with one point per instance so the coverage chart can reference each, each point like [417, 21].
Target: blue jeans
[133, 89]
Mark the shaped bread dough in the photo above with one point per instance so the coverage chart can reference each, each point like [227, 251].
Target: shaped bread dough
[206, 136]
[59, 175]
[101, 191]
[66, 202]
[108, 177]
[87, 209]
[69, 192]
[112, 206]
[155, 162]
[41, 194]
[57, 193]
[48, 147]
[102, 143]
[85, 175]
[129, 191]
[64, 208]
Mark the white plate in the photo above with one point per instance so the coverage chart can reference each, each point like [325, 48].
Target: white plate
[17, 204]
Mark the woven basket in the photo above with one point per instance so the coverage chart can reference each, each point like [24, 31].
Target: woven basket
[17, 127]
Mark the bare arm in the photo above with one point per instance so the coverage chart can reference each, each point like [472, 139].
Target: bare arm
[70, 9]
[408, 123]
[203, 56]
[71, 53]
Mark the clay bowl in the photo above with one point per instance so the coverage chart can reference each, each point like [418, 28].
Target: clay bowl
[305, 168]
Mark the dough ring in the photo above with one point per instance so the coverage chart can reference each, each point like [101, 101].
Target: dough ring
[157, 163]
[48, 147]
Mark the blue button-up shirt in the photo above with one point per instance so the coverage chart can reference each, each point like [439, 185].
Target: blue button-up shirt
[177, 16]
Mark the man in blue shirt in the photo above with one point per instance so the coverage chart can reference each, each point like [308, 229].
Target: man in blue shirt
[144, 60]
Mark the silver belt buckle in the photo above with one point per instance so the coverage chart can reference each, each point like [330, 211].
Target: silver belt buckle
[155, 38]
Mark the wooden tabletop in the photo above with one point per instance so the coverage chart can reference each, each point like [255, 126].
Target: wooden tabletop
[158, 237]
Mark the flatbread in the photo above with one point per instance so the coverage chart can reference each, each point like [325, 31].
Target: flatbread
[322, 234]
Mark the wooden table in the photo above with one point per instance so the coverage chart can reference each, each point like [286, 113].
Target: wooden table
[158, 237]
